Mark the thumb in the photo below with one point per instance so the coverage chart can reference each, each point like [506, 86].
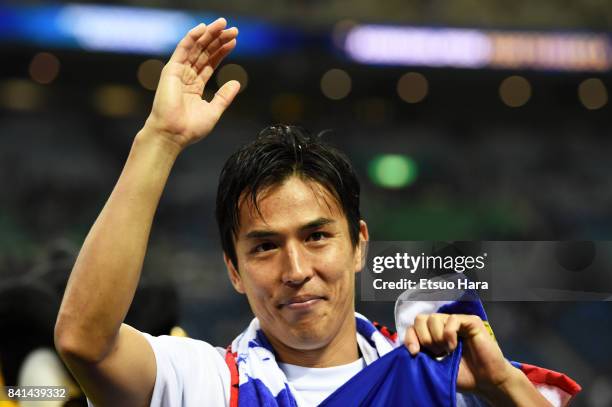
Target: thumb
[471, 326]
[224, 96]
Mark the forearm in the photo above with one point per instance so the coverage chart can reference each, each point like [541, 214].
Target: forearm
[107, 270]
[518, 391]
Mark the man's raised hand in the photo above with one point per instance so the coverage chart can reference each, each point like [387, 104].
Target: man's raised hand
[482, 361]
[179, 113]
[483, 368]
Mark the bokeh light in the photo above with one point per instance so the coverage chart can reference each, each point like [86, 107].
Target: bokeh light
[336, 84]
[593, 94]
[115, 100]
[178, 331]
[44, 68]
[19, 94]
[392, 170]
[412, 87]
[233, 72]
[149, 72]
[515, 91]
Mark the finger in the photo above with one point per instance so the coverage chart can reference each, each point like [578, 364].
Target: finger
[434, 328]
[220, 55]
[451, 327]
[224, 97]
[213, 31]
[225, 37]
[209, 68]
[412, 341]
[435, 324]
[184, 46]
[470, 326]
[422, 331]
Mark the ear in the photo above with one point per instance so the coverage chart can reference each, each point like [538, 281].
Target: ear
[361, 250]
[233, 274]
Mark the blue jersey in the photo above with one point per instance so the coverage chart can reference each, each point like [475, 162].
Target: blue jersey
[400, 379]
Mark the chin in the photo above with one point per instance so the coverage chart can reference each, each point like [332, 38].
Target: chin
[307, 337]
[308, 341]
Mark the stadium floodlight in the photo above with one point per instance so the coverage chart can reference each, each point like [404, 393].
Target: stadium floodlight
[477, 49]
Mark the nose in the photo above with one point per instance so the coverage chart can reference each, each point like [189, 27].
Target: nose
[297, 269]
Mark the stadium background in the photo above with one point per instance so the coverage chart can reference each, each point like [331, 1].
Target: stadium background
[497, 127]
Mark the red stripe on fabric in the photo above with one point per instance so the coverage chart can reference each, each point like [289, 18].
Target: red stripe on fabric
[540, 375]
[387, 333]
[230, 360]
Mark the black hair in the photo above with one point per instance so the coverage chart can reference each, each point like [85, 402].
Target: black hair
[279, 152]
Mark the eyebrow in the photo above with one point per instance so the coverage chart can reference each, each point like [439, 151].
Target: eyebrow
[315, 224]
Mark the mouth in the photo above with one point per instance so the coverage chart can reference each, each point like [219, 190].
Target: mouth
[302, 302]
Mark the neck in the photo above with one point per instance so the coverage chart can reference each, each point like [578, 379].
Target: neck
[341, 350]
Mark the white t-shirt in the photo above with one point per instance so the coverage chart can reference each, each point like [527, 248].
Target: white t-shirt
[313, 385]
[190, 373]
[193, 373]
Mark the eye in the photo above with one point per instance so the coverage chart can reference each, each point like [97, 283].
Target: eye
[316, 236]
[264, 247]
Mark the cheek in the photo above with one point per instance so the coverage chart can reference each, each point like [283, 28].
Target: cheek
[258, 281]
[335, 266]
[327, 265]
[259, 292]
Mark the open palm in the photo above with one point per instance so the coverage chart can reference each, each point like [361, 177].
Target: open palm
[179, 112]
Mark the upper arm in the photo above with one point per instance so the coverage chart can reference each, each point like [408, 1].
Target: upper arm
[124, 377]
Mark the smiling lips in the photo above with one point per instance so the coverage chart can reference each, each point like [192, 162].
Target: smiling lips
[302, 302]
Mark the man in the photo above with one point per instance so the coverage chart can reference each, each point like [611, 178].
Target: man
[292, 239]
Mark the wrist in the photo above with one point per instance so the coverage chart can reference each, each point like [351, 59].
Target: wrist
[504, 388]
[515, 390]
[150, 137]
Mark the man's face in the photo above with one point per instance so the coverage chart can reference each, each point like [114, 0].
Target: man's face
[297, 264]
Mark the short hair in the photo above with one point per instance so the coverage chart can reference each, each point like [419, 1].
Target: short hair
[279, 152]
